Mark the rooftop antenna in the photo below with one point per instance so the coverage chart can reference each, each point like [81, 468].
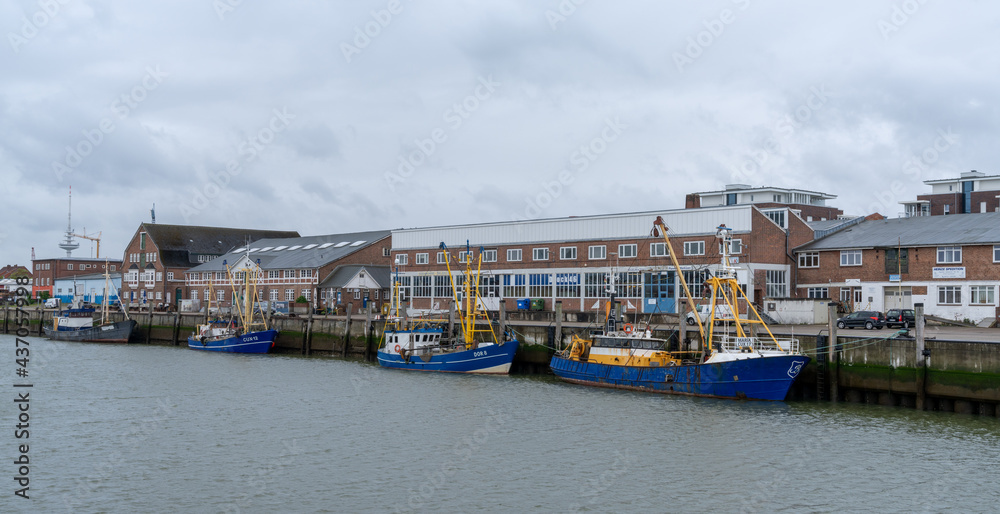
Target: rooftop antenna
[69, 244]
[152, 213]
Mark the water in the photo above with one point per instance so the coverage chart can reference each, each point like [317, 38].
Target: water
[162, 429]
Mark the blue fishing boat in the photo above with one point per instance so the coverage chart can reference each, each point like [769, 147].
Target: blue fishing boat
[734, 364]
[246, 331]
[77, 322]
[426, 345]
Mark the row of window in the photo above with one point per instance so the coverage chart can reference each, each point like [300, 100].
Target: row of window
[69, 266]
[947, 295]
[629, 284]
[978, 295]
[271, 274]
[896, 260]
[595, 252]
[135, 257]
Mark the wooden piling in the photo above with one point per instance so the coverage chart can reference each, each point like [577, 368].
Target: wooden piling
[347, 330]
[502, 320]
[559, 320]
[451, 319]
[682, 330]
[921, 358]
[307, 335]
[149, 324]
[833, 354]
[368, 333]
[6, 317]
[177, 327]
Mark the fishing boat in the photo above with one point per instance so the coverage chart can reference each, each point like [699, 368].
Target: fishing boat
[76, 323]
[734, 363]
[427, 345]
[246, 330]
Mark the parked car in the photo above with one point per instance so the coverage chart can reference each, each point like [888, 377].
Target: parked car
[52, 303]
[722, 314]
[903, 318]
[867, 319]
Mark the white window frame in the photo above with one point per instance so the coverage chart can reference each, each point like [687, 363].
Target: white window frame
[441, 258]
[514, 255]
[808, 260]
[735, 247]
[540, 254]
[658, 250]
[567, 253]
[996, 253]
[954, 291]
[976, 292]
[403, 259]
[818, 292]
[698, 248]
[592, 252]
[631, 253]
[949, 255]
[422, 258]
[489, 255]
[847, 258]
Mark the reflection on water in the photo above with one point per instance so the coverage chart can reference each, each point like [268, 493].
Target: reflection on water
[138, 428]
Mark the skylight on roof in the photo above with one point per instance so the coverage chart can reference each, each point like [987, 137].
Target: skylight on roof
[296, 247]
[341, 244]
[276, 248]
[265, 249]
[358, 243]
[326, 245]
[239, 249]
[310, 247]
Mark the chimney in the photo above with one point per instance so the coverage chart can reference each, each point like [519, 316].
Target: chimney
[692, 201]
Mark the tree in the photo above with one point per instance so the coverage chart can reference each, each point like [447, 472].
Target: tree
[301, 299]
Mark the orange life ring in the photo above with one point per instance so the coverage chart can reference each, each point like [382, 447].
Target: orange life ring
[397, 348]
[628, 328]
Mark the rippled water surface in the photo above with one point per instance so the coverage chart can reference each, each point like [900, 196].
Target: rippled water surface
[161, 429]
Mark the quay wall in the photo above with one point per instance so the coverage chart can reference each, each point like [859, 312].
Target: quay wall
[959, 376]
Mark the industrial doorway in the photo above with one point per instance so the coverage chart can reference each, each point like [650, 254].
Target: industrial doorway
[897, 297]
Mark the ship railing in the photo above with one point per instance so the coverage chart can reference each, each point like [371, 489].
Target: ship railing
[730, 344]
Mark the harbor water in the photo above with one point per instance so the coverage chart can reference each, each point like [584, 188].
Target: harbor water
[136, 428]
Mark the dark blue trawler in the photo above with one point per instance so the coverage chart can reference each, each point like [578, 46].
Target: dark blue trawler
[424, 347]
[734, 365]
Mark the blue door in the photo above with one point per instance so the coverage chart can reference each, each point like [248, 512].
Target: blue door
[659, 292]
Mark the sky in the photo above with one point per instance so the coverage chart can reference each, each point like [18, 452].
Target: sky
[344, 116]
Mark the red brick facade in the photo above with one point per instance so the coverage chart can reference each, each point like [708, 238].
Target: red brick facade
[46, 271]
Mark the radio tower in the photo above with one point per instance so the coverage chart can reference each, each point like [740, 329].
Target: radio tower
[69, 244]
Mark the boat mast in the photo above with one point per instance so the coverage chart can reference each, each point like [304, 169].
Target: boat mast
[104, 301]
[660, 226]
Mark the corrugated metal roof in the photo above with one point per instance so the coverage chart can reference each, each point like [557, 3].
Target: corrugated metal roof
[681, 222]
[953, 229]
[277, 253]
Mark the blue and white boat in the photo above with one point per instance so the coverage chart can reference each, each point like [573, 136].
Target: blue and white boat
[247, 330]
[225, 336]
[735, 364]
[426, 347]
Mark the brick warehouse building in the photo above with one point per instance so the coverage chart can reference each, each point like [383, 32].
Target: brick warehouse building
[158, 255]
[47, 271]
[950, 263]
[326, 270]
[569, 259]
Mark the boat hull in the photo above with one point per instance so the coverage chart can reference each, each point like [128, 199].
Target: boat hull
[117, 332]
[251, 342]
[493, 359]
[764, 378]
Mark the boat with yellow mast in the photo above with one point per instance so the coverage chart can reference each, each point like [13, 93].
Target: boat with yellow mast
[735, 362]
[424, 345]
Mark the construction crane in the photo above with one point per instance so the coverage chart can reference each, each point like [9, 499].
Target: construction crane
[92, 238]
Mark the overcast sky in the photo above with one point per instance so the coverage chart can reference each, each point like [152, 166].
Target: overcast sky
[341, 116]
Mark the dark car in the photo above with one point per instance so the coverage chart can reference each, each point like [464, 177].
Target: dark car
[867, 319]
[903, 318]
